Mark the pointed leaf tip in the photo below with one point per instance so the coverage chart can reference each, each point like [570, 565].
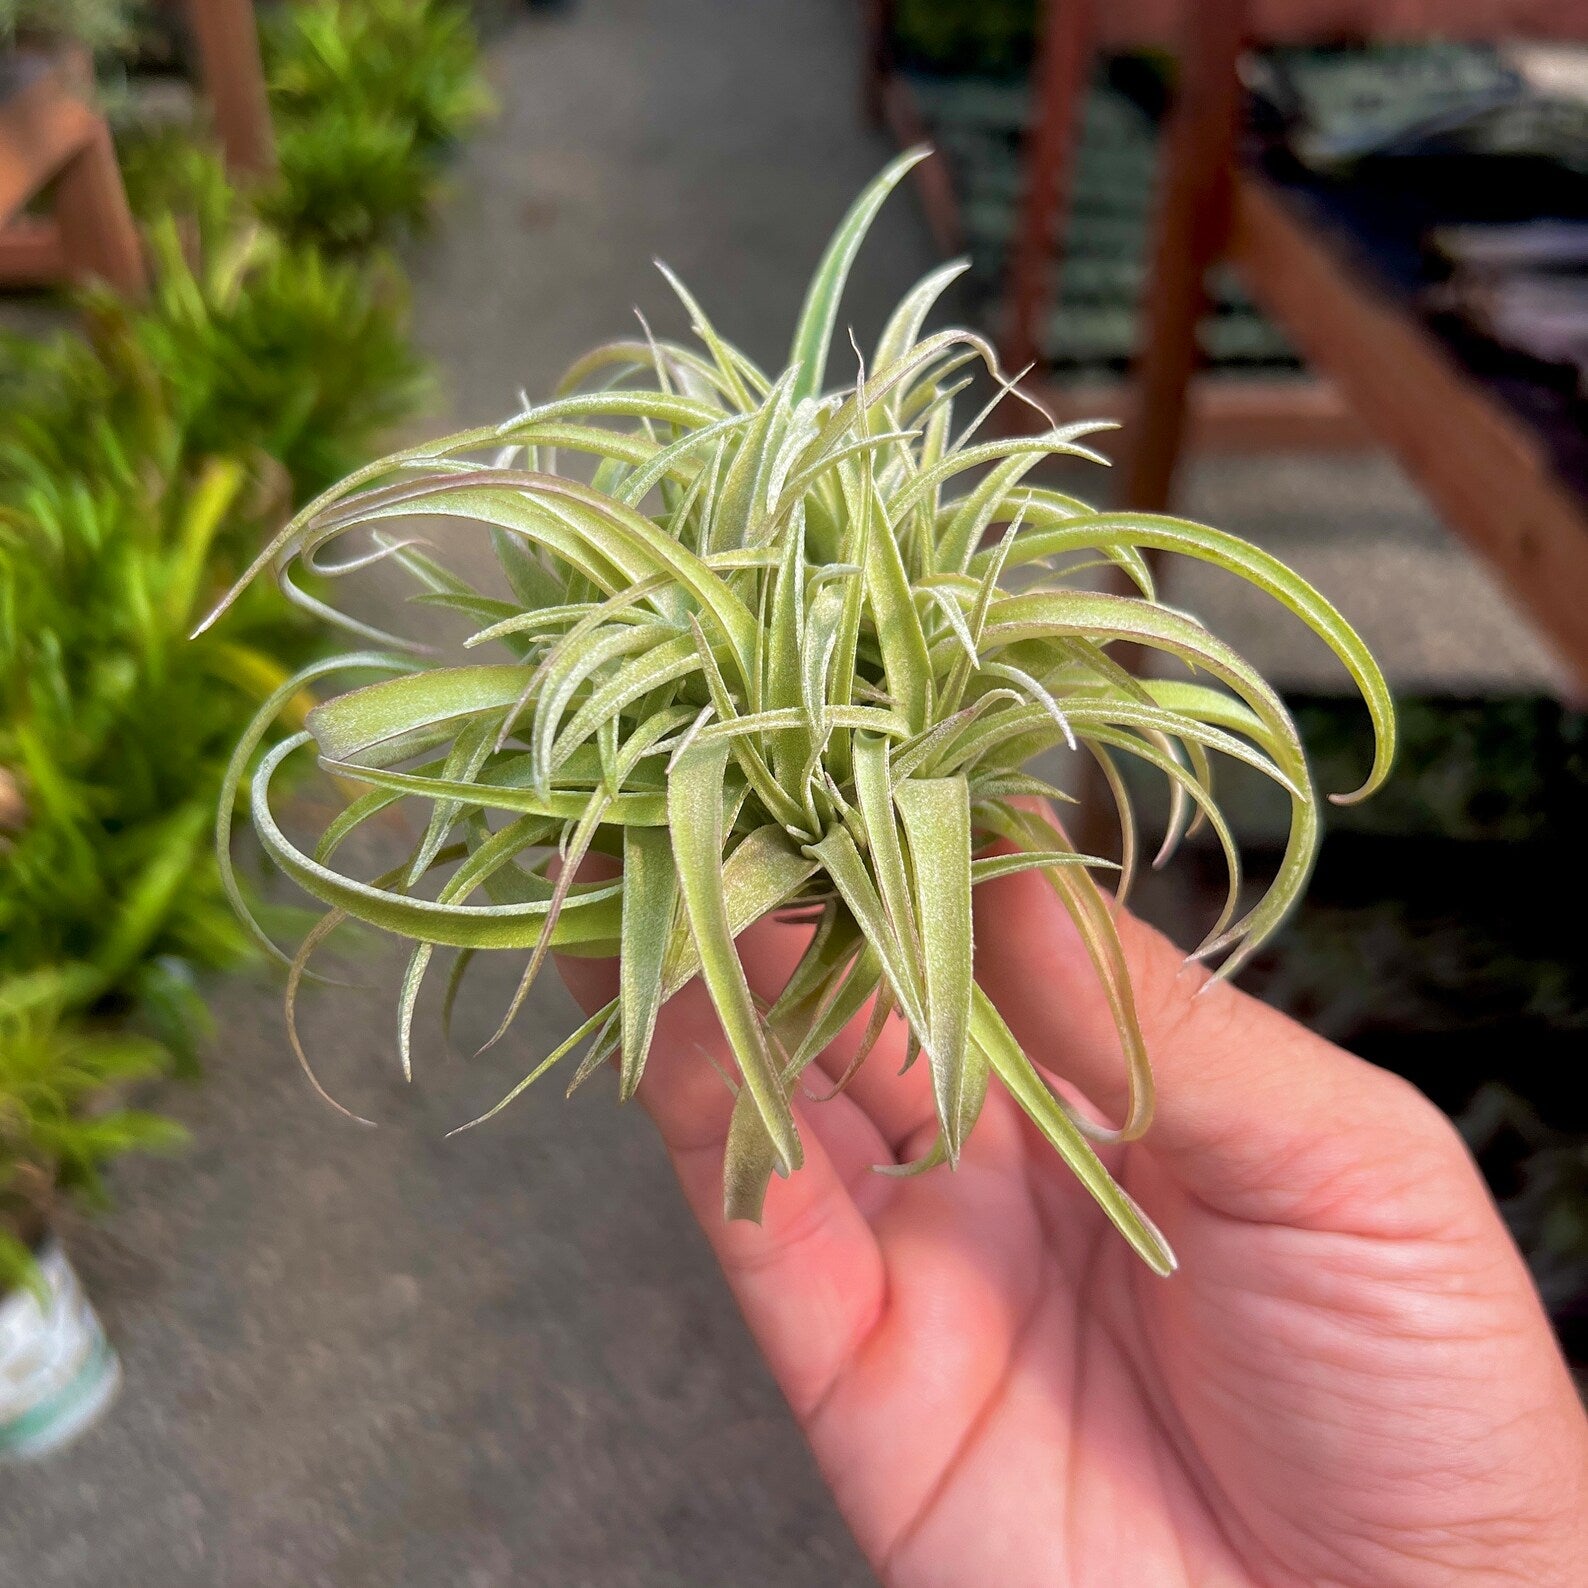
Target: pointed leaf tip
[819, 314]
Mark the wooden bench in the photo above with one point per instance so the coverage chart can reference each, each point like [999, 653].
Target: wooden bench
[51, 135]
[1476, 457]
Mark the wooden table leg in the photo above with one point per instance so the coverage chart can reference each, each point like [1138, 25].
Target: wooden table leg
[97, 234]
[1192, 231]
[234, 82]
[877, 21]
[1063, 73]
[31, 253]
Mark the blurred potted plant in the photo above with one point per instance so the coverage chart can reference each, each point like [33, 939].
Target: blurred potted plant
[57, 1370]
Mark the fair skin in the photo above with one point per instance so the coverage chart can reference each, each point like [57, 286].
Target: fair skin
[1350, 1380]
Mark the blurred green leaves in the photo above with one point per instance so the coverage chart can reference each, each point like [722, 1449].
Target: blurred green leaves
[144, 456]
[275, 348]
[368, 96]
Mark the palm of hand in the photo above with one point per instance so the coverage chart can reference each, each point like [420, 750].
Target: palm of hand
[1296, 1406]
[1348, 1382]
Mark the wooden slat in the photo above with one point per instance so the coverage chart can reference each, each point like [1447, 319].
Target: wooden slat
[933, 184]
[1134, 24]
[1478, 463]
[1228, 413]
[98, 236]
[1480, 466]
[41, 128]
[1225, 413]
[877, 64]
[1190, 231]
[1061, 76]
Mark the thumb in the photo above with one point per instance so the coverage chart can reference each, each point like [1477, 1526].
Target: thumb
[1255, 1114]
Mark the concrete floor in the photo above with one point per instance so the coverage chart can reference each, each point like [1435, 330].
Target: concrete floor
[360, 1358]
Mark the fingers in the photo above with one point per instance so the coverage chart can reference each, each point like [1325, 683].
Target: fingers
[809, 1278]
[1256, 1114]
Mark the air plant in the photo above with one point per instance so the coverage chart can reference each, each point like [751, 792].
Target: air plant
[784, 650]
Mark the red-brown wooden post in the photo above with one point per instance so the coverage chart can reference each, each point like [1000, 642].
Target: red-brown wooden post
[98, 236]
[1191, 232]
[878, 62]
[1059, 84]
[234, 82]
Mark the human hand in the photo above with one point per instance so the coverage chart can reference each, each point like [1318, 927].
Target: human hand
[1349, 1381]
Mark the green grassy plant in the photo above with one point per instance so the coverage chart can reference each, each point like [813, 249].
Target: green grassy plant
[117, 730]
[141, 461]
[56, 1134]
[248, 346]
[99, 24]
[369, 96]
[168, 170]
[346, 182]
[783, 648]
[113, 738]
[414, 62]
[275, 346]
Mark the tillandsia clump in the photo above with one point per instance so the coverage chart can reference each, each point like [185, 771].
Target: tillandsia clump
[782, 649]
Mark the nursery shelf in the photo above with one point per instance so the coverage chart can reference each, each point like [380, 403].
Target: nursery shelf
[1503, 459]
[1243, 404]
[1496, 478]
[49, 134]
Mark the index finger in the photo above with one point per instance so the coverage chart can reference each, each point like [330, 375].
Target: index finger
[809, 1277]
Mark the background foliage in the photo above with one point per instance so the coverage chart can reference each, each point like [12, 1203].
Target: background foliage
[144, 455]
[368, 98]
[987, 37]
[100, 24]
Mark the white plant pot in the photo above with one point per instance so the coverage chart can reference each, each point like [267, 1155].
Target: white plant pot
[58, 1372]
